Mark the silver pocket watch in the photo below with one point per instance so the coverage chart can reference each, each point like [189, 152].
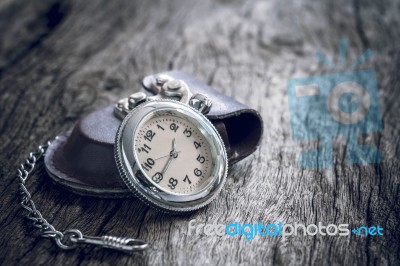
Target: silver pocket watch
[167, 152]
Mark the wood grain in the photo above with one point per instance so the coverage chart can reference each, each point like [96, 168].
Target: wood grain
[61, 60]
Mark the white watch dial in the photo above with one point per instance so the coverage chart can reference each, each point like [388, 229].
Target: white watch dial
[173, 154]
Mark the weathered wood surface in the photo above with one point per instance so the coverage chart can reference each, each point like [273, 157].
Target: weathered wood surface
[61, 60]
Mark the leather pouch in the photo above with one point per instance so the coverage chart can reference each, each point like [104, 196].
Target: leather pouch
[83, 159]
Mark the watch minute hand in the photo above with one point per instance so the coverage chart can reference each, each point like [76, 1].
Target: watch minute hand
[166, 165]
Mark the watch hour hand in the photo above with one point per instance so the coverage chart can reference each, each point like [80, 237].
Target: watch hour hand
[173, 144]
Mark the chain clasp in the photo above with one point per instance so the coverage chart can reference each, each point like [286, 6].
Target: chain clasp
[126, 244]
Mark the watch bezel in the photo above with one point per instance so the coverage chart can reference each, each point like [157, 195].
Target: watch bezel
[135, 178]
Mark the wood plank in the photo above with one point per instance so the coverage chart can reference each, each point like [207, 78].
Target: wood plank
[59, 61]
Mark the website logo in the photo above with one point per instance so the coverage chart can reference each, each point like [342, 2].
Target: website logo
[343, 104]
[279, 229]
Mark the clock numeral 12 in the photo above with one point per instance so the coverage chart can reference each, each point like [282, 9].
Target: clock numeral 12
[149, 135]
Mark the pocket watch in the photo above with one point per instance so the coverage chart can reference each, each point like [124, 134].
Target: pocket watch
[167, 152]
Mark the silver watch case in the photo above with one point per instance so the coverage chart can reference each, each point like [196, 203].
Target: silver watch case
[135, 178]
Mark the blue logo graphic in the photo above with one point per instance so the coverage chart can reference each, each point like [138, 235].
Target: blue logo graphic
[368, 231]
[280, 229]
[341, 104]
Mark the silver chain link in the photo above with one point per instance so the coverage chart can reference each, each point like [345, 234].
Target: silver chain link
[68, 239]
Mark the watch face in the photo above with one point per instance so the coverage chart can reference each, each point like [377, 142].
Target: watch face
[173, 153]
[170, 156]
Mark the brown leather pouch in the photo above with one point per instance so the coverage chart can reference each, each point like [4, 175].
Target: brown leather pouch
[83, 159]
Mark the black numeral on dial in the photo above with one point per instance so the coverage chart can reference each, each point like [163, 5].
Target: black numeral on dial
[197, 172]
[145, 148]
[157, 177]
[197, 145]
[174, 127]
[172, 183]
[187, 179]
[149, 135]
[201, 159]
[148, 164]
[187, 132]
[160, 127]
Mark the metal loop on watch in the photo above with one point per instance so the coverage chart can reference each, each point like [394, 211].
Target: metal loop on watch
[164, 87]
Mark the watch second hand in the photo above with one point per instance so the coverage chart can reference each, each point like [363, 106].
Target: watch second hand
[166, 156]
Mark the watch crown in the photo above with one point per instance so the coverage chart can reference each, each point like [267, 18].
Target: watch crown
[161, 79]
[122, 108]
[201, 103]
[121, 104]
[173, 84]
[136, 98]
